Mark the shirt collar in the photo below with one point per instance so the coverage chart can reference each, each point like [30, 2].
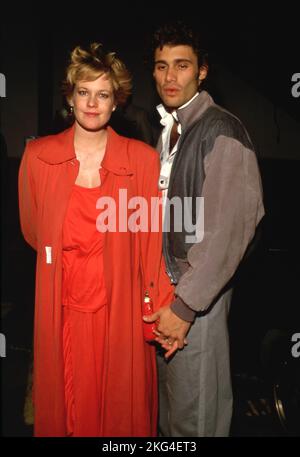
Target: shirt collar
[166, 116]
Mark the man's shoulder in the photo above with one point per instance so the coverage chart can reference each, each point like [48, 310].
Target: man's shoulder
[220, 118]
[217, 121]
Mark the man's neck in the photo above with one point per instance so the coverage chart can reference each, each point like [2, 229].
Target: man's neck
[172, 109]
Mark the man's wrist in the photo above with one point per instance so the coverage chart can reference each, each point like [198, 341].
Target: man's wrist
[182, 310]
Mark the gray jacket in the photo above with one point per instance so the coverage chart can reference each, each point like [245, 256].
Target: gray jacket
[215, 160]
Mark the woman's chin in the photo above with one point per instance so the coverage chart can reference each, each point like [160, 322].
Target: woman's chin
[92, 126]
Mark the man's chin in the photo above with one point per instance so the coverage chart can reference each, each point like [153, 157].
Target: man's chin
[171, 104]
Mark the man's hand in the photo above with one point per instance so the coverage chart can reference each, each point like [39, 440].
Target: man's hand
[171, 330]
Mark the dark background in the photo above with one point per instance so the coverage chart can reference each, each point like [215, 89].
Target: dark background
[257, 45]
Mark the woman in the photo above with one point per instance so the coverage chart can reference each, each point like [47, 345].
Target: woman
[94, 374]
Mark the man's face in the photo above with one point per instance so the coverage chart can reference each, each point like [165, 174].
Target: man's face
[176, 74]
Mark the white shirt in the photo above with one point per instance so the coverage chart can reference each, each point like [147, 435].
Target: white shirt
[166, 158]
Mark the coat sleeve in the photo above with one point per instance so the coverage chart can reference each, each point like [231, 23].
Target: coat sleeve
[27, 198]
[233, 206]
[156, 281]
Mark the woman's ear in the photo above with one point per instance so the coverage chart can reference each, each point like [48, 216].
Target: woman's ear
[70, 102]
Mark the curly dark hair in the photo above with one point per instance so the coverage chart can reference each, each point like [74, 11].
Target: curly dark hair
[178, 33]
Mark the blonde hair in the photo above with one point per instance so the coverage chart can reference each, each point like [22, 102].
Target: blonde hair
[87, 64]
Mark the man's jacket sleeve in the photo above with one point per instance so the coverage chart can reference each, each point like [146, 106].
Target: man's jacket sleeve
[233, 206]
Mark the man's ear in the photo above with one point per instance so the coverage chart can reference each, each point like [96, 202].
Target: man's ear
[203, 70]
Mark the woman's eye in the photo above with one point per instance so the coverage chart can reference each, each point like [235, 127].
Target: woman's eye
[82, 92]
[105, 96]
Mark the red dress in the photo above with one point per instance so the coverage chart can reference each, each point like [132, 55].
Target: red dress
[84, 313]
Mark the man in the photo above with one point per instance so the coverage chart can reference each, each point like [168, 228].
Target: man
[205, 152]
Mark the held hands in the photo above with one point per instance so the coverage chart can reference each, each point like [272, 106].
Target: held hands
[171, 330]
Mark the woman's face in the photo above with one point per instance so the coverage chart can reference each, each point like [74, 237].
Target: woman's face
[93, 103]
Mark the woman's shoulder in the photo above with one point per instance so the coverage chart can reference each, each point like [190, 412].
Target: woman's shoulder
[138, 152]
[143, 158]
[141, 149]
[46, 140]
[40, 145]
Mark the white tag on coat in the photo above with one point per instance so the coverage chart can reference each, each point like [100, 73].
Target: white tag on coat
[48, 254]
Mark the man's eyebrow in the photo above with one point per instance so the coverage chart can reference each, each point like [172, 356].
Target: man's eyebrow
[175, 61]
[182, 60]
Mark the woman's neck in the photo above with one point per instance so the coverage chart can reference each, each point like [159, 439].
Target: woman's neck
[89, 142]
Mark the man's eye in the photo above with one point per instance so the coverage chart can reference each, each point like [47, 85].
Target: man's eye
[182, 66]
[161, 67]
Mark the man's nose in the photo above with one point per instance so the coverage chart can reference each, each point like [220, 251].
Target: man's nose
[171, 74]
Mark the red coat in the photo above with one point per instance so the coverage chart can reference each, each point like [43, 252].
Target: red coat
[132, 264]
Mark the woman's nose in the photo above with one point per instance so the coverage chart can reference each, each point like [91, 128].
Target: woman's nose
[92, 100]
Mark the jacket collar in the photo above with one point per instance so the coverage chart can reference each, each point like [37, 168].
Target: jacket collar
[56, 149]
[59, 148]
[190, 113]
